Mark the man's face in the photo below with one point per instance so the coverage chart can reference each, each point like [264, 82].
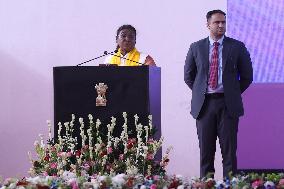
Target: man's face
[217, 25]
[126, 40]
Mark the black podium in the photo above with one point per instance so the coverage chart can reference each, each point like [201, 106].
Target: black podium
[134, 90]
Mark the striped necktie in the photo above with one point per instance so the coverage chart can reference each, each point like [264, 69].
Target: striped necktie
[213, 72]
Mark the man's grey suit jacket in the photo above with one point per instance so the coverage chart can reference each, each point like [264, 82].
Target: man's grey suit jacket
[236, 78]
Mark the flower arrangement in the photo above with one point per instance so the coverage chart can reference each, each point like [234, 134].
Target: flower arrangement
[107, 162]
[124, 181]
[100, 153]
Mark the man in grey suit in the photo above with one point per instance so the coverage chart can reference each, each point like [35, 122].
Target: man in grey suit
[218, 70]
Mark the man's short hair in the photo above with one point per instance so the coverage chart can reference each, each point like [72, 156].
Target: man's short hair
[210, 13]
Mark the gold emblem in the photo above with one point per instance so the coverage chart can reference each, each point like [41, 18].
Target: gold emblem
[101, 98]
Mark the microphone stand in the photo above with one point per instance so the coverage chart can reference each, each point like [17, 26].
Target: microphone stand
[112, 53]
[105, 53]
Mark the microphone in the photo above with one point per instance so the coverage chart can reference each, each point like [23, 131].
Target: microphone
[105, 53]
[113, 53]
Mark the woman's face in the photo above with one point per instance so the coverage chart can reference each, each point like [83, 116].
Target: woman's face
[126, 40]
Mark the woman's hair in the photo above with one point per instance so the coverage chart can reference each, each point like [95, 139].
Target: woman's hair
[123, 27]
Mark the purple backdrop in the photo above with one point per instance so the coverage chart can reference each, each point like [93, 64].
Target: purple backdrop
[261, 131]
[259, 24]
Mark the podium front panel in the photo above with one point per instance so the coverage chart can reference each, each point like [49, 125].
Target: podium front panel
[135, 90]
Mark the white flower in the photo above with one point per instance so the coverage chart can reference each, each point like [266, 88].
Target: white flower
[113, 120]
[30, 156]
[209, 179]
[136, 119]
[219, 183]
[41, 141]
[60, 172]
[118, 180]
[124, 114]
[98, 123]
[102, 178]
[91, 185]
[234, 181]
[268, 184]
[49, 128]
[109, 144]
[116, 141]
[180, 177]
[72, 117]
[31, 172]
[180, 187]
[145, 148]
[12, 185]
[67, 175]
[34, 180]
[90, 117]
[132, 170]
[36, 143]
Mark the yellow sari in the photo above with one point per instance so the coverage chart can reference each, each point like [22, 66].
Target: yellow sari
[133, 57]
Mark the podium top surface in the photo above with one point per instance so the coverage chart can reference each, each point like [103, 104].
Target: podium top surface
[108, 67]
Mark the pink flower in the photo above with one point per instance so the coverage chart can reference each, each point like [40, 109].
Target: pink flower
[94, 176]
[164, 163]
[131, 140]
[150, 156]
[45, 173]
[281, 182]
[74, 185]
[86, 166]
[59, 154]
[108, 167]
[150, 140]
[195, 185]
[53, 165]
[257, 183]
[109, 150]
[156, 177]
[69, 154]
[102, 145]
[86, 147]
[153, 186]
[53, 149]
[121, 156]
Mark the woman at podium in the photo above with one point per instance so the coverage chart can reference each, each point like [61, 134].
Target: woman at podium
[126, 54]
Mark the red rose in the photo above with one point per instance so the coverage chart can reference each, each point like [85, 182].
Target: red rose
[103, 153]
[129, 145]
[78, 153]
[129, 182]
[46, 158]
